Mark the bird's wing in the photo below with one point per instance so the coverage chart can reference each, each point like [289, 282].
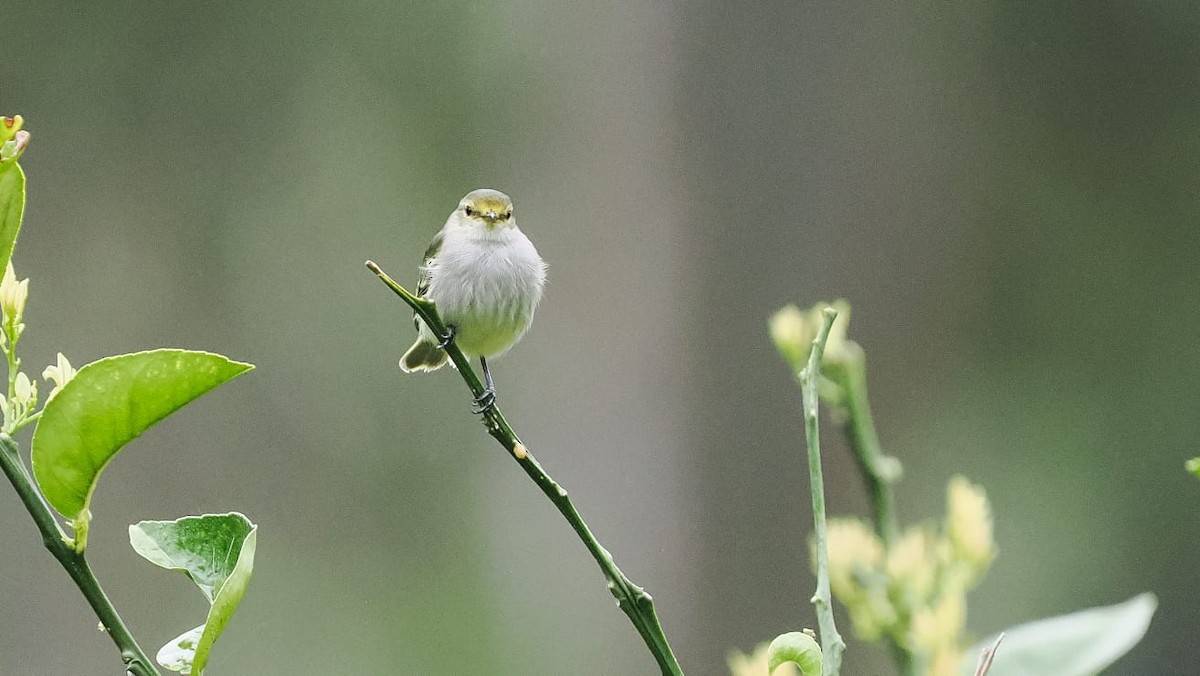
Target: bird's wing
[425, 271]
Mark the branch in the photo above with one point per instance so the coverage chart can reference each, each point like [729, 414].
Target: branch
[831, 640]
[879, 470]
[75, 563]
[632, 599]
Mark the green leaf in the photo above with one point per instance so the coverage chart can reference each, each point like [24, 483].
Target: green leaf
[12, 207]
[1076, 644]
[798, 648]
[217, 552]
[108, 403]
[1193, 466]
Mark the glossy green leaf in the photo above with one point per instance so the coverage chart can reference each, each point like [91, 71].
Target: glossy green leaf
[12, 207]
[108, 403]
[217, 552]
[1077, 644]
[798, 648]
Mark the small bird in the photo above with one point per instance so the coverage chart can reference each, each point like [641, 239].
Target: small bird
[486, 278]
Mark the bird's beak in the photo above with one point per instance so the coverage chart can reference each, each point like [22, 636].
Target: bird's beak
[491, 216]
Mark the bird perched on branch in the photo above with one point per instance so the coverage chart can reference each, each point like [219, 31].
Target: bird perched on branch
[486, 278]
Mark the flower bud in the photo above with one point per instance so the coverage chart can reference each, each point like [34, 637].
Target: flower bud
[793, 335]
[946, 662]
[853, 548]
[793, 331]
[59, 373]
[969, 524]
[9, 126]
[13, 139]
[911, 565]
[13, 295]
[937, 627]
[21, 388]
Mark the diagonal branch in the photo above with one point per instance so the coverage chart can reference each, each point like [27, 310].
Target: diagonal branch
[632, 599]
[74, 562]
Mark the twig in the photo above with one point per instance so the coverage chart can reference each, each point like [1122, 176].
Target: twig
[879, 470]
[75, 563]
[831, 641]
[632, 599]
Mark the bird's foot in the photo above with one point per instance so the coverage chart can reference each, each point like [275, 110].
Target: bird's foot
[444, 341]
[485, 402]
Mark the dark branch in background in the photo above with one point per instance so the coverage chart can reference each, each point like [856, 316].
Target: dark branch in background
[632, 599]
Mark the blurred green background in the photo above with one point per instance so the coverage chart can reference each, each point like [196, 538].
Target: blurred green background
[1007, 192]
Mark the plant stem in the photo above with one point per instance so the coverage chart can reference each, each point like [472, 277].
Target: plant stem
[27, 420]
[632, 599]
[75, 563]
[879, 470]
[832, 644]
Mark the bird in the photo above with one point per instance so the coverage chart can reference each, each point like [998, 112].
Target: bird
[486, 279]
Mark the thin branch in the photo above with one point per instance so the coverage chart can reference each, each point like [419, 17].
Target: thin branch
[632, 599]
[879, 470]
[75, 563]
[831, 641]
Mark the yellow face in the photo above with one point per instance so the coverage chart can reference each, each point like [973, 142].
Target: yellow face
[487, 207]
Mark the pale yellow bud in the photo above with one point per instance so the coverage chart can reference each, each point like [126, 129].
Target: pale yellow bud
[793, 331]
[912, 565]
[873, 614]
[59, 373]
[856, 577]
[969, 524]
[946, 662]
[938, 627]
[853, 549]
[755, 664]
[793, 334]
[23, 390]
[13, 295]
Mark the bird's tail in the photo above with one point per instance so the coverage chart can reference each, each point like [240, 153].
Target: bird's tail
[422, 356]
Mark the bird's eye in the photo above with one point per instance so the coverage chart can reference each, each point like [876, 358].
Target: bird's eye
[468, 211]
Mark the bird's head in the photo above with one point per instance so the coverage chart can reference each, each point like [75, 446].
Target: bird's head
[489, 208]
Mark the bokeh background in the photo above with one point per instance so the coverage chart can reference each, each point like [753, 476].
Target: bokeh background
[1007, 192]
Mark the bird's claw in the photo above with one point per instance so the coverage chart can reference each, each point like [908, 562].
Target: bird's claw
[444, 341]
[484, 403]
